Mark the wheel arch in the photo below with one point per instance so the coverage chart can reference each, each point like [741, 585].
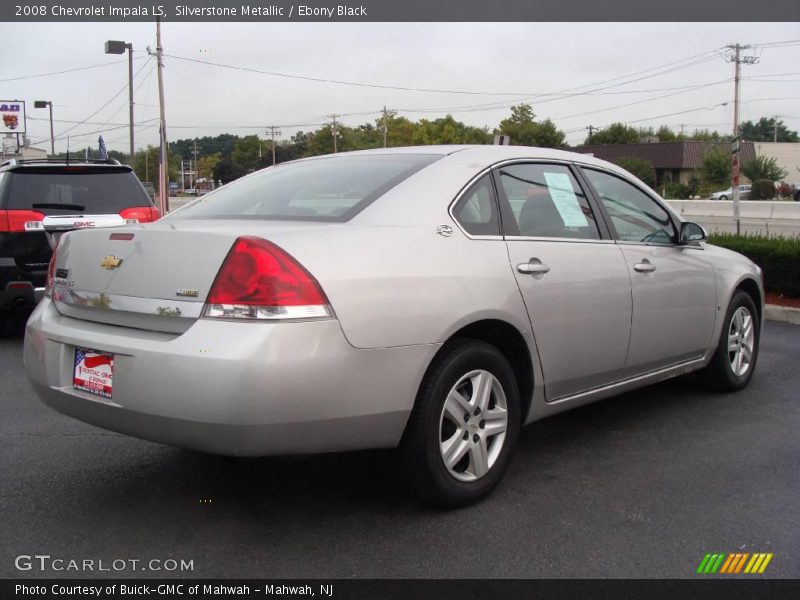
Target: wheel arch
[512, 345]
[752, 289]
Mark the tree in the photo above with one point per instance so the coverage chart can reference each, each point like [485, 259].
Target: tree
[226, 171]
[222, 144]
[207, 164]
[616, 133]
[762, 167]
[643, 169]
[716, 168]
[248, 154]
[706, 135]
[665, 134]
[146, 165]
[449, 131]
[525, 131]
[764, 131]
[399, 131]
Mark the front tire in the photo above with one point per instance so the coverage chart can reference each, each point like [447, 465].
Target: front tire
[464, 426]
[735, 357]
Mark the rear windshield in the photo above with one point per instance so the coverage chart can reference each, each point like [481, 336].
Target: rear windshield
[325, 189]
[85, 192]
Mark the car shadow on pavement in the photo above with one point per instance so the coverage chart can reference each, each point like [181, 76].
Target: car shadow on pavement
[346, 483]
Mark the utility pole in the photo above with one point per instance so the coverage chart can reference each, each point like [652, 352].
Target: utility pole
[273, 131]
[163, 171]
[196, 171]
[334, 131]
[386, 114]
[775, 134]
[737, 59]
[591, 129]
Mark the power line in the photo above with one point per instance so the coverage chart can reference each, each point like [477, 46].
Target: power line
[109, 101]
[709, 55]
[86, 68]
[555, 96]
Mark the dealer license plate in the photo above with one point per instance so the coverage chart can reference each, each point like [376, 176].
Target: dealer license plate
[93, 372]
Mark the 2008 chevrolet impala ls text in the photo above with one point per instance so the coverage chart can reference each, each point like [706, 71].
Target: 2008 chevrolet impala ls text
[433, 298]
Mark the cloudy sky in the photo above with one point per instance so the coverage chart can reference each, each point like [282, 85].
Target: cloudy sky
[643, 74]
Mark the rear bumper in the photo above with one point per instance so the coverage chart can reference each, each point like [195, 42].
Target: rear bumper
[240, 389]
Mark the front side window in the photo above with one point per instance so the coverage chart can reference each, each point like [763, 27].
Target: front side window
[476, 210]
[634, 214]
[546, 201]
[325, 189]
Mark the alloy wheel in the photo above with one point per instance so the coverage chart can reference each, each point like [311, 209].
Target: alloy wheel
[473, 425]
[741, 337]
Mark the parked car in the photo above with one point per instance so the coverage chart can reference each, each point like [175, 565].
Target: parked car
[433, 299]
[744, 193]
[40, 199]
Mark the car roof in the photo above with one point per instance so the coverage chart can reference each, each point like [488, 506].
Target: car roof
[59, 163]
[488, 155]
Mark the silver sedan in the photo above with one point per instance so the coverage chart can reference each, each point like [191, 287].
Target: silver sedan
[433, 299]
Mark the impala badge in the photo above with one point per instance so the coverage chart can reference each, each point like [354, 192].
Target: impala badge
[111, 262]
[187, 293]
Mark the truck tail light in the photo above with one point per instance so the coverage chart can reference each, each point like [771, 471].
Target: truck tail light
[140, 214]
[21, 220]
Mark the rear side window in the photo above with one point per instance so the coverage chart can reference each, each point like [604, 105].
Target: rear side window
[86, 192]
[476, 210]
[326, 189]
[546, 201]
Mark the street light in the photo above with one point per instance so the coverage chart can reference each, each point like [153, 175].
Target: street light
[116, 47]
[45, 104]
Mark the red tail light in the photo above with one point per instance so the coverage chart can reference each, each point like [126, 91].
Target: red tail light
[51, 274]
[258, 280]
[140, 214]
[21, 220]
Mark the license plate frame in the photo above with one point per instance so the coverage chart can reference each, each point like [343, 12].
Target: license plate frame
[93, 372]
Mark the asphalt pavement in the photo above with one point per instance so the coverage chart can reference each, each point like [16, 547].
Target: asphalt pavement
[642, 485]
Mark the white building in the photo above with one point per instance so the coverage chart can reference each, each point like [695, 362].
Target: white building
[787, 155]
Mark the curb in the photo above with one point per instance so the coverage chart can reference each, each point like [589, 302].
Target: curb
[784, 314]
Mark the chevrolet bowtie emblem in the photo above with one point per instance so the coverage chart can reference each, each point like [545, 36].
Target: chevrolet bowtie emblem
[111, 262]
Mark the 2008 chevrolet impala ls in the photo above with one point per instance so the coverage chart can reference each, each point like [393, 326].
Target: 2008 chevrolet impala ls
[431, 298]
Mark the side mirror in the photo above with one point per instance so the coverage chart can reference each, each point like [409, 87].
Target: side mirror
[692, 234]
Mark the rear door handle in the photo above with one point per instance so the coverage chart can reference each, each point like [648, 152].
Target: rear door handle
[644, 267]
[533, 267]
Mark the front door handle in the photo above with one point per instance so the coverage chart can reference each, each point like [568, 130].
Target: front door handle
[533, 267]
[644, 267]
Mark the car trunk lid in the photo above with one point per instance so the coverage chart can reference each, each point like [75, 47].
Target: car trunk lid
[155, 277]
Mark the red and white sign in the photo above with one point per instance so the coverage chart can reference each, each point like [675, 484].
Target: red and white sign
[13, 116]
[94, 372]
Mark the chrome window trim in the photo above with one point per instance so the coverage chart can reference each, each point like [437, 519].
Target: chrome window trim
[529, 238]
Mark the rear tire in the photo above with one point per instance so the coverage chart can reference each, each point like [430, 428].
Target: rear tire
[464, 426]
[735, 357]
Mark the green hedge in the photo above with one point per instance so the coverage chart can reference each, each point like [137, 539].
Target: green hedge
[763, 189]
[778, 257]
